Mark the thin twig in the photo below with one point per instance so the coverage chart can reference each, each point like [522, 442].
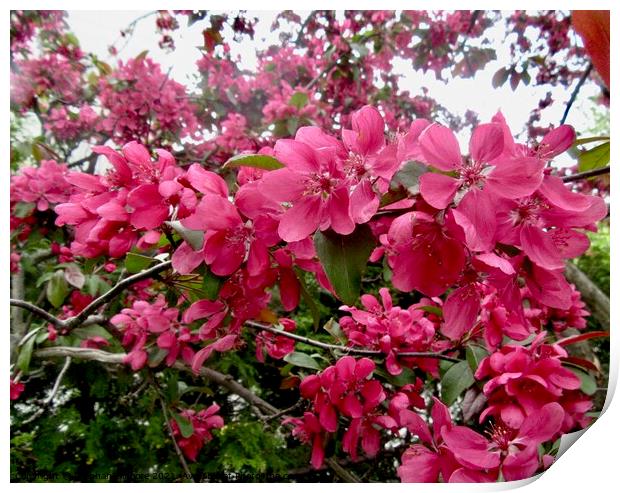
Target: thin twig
[164, 410]
[327, 69]
[45, 403]
[226, 381]
[83, 316]
[56, 386]
[346, 349]
[279, 414]
[573, 96]
[586, 174]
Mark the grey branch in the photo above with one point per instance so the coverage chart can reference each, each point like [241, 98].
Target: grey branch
[346, 349]
[597, 301]
[226, 381]
[83, 318]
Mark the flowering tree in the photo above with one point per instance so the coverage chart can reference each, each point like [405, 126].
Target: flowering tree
[298, 270]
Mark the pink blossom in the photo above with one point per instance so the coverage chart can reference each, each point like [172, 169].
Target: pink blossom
[521, 380]
[423, 254]
[203, 422]
[515, 452]
[313, 183]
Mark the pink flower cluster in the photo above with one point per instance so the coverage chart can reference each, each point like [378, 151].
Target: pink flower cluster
[457, 454]
[66, 125]
[44, 185]
[392, 330]
[136, 196]
[521, 380]
[203, 422]
[343, 390]
[52, 75]
[144, 320]
[142, 102]
[331, 184]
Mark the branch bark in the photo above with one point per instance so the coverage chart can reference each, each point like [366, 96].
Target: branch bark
[83, 318]
[226, 381]
[586, 174]
[346, 349]
[597, 301]
[575, 92]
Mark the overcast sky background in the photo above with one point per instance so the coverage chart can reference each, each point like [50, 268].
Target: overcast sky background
[98, 30]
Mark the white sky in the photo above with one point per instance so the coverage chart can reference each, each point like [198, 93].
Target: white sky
[98, 30]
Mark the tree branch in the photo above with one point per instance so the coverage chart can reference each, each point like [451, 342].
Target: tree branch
[347, 349]
[83, 318]
[586, 174]
[226, 381]
[573, 96]
[597, 301]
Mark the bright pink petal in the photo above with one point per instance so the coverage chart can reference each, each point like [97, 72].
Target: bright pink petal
[338, 210]
[301, 220]
[477, 216]
[363, 203]
[185, 259]
[470, 448]
[202, 309]
[460, 311]
[352, 406]
[556, 142]
[369, 129]
[540, 248]
[283, 185]
[136, 153]
[487, 142]
[521, 465]
[328, 418]
[419, 465]
[440, 147]
[516, 178]
[297, 156]
[541, 426]
[206, 181]
[438, 190]
[558, 194]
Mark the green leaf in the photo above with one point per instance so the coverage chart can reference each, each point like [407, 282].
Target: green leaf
[302, 360]
[193, 237]
[57, 289]
[588, 383]
[71, 39]
[435, 310]
[292, 124]
[475, 354]
[74, 276]
[211, 285]
[409, 177]
[344, 259]
[23, 209]
[91, 331]
[135, 262]
[333, 328]
[298, 100]
[25, 354]
[500, 77]
[594, 158]
[587, 140]
[308, 299]
[406, 376]
[142, 55]
[185, 425]
[43, 278]
[260, 161]
[458, 378]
